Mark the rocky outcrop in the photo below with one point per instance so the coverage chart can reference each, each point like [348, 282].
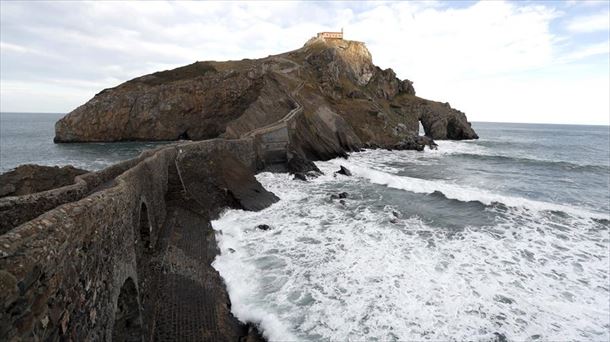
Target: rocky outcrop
[229, 183]
[440, 121]
[28, 179]
[417, 143]
[333, 80]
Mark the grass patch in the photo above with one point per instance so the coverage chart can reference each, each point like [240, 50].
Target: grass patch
[182, 73]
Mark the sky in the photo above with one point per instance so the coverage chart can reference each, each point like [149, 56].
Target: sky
[526, 61]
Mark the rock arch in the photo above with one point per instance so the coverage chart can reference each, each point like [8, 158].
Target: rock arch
[127, 318]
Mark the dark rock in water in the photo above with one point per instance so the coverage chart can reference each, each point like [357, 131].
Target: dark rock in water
[415, 143]
[499, 337]
[300, 176]
[229, 182]
[28, 179]
[394, 220]
[339, 195]
[231, 250]
[299, 164]
[395, 213]
[253, 334]
[342, 202]
[263, 227]
[344, 171]
[503, 299]
[440, 121]
[424, 140]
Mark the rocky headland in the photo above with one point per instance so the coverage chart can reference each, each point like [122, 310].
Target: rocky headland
[334, 80]
[125, 253]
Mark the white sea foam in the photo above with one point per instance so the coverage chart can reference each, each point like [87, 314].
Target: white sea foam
[454, 191]
[327, 271]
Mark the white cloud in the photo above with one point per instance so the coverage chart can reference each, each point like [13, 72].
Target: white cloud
[474, 56]
[590, 23]
[13, 47]
[587, 51]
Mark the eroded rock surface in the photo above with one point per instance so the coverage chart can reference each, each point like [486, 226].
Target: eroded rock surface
[229, 183]
[29, 178]
[333, 80]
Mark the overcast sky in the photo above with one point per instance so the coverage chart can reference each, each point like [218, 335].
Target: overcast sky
[496, 61]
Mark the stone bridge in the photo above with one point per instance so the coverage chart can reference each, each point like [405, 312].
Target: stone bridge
[124, 253]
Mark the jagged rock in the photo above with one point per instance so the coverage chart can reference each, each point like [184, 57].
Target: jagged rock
[499, 337]
[299, 164]
[406, 87]
[341, 195]
[417, 143]
[385, 83]
[440, 121]
[300, 176]
[344, 171]
[263, 227]
[229, 182]
[27, 179]
[335, 81]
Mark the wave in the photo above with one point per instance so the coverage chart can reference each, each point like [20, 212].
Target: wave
[459, 192]
[534, 161]
[326, 271]
[476, 150]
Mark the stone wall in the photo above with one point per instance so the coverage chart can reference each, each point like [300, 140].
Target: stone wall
[16, 210]
[75, 271]
[61, 274]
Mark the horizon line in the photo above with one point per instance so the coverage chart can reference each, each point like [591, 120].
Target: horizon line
[514, 122]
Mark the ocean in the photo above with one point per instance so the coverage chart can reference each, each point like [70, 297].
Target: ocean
[505, 237]
[502, 237]
[27, 138]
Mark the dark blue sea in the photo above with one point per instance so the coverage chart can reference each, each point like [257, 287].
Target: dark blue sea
[502, 237]
[27, 138]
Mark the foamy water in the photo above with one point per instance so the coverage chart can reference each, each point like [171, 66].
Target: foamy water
[370, 270]
[505, 237]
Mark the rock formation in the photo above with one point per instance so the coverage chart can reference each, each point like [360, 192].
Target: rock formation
[335, 81]
[28, 179]
[125, 253]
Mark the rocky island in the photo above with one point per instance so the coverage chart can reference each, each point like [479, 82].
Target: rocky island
[124, 253]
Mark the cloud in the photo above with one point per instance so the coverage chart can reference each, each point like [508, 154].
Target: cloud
[474, 55]
[590, 23]
[587, 51]
[13, 47]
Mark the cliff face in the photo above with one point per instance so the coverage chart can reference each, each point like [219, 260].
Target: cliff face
[334, 81]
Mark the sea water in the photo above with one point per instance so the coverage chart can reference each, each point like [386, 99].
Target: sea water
[27, 138]
[503, 237]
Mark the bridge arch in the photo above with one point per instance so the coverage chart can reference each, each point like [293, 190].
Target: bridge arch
[127, 317]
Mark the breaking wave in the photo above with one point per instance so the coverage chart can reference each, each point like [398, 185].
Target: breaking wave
[458, 192]
[362, 271]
